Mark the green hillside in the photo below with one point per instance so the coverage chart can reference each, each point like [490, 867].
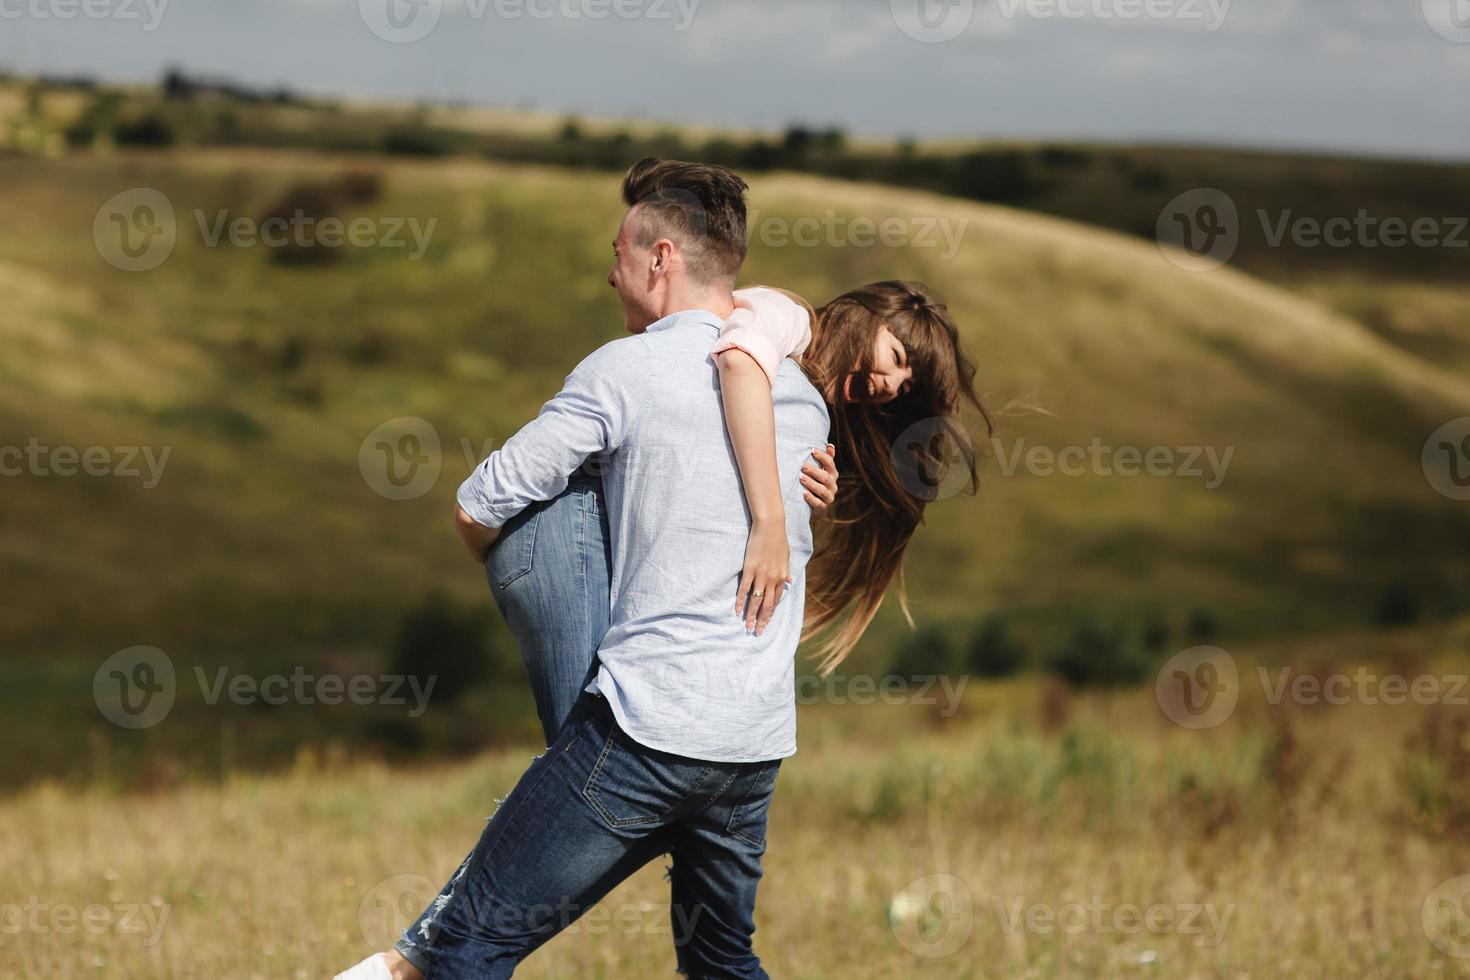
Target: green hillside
[264, 378]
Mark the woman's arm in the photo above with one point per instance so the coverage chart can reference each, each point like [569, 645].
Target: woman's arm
[751, 421]
[767, 327]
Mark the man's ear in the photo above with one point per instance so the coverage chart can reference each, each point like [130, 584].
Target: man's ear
[663, 254]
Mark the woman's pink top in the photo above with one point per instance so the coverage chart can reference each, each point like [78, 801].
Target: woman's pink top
[767, 325]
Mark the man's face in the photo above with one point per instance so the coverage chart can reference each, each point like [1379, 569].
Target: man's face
[633, 277]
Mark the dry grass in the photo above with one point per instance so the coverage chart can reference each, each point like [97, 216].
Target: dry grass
[1281, 844]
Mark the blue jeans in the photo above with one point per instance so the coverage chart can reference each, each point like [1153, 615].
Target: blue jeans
[587, 814]
[550, 573]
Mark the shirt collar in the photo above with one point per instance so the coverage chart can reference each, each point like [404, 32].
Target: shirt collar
[687, 318]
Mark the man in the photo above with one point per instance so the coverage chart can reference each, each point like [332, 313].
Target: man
[676, 745]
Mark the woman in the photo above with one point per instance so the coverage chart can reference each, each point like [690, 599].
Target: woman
[886, 357]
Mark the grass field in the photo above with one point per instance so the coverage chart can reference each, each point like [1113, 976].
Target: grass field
[1021, 829]
[1019, 832]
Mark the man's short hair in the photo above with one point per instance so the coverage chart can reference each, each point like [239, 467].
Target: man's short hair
[700, 206]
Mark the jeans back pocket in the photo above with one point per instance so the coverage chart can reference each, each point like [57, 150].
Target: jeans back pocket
[632, 786]
[749, 814]
[515, 551]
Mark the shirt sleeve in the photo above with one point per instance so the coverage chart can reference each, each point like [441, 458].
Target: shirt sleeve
[592, 413]
[767, 325]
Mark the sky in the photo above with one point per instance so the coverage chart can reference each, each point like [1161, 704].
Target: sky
[1374, 76]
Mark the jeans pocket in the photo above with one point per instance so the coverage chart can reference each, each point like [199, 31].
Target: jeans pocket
[748, 815]
[515, 552]
[630, 787]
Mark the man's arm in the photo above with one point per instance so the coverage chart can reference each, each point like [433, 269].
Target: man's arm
[478, 538]
[591, 414]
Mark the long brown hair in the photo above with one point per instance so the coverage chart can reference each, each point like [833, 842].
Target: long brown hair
[890, 454]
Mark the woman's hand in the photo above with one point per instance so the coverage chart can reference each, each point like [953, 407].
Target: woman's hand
[766, 575]
[820, 485]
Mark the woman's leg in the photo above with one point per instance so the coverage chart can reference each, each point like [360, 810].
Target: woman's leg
[550, 575]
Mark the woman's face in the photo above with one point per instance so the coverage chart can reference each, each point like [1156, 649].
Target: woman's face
[891, 375]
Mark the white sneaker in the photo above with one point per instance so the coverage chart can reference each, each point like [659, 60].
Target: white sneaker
[375, 967]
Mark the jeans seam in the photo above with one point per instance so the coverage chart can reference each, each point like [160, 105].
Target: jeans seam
[735, 810]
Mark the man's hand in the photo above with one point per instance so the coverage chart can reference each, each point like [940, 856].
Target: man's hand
[767, 571]
[820, 485]
[478, 538]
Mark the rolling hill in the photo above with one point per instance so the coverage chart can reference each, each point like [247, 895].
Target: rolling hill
[262, 380]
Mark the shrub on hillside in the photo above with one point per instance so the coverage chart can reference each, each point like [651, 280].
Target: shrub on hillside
[440, 641]
[1099, 655]
[926, 652]
[994, 651]
[151, 129]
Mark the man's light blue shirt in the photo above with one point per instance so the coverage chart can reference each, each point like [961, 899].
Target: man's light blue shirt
[677, 667]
